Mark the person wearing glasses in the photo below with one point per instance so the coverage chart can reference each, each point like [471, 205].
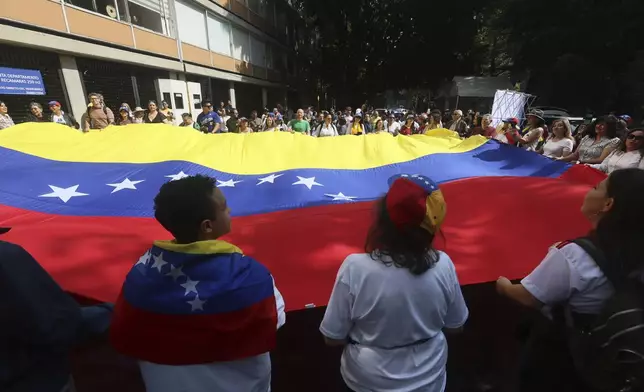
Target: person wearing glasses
[208, 120]
[628, 155]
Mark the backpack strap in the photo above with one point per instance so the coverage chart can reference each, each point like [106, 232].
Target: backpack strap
[600, 259]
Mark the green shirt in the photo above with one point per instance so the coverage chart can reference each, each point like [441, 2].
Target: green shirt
[300, 126]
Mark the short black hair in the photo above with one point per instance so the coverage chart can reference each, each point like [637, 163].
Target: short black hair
[182, 205]
[409, 248]
[619, 232]
[609, 121]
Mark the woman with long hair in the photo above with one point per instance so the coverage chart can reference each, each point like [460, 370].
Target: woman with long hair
[357, 126]
[628, 154]
[270, 125]
[326, 128]
[5, 119]
[390, 305]
[569, 276]
[379, 127]
[529, 139]
[600, 140]
[560, 143]
[408, 127]
[153, 115]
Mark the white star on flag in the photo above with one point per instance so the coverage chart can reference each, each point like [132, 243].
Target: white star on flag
[125, 184]
[144, 259]
[197, 304]
[230, 183]
[340, 196]
[270, 179]
[159, 262]
[190, 286]
[175, 272]
[309, 182]
[64, 194]
[178, 176]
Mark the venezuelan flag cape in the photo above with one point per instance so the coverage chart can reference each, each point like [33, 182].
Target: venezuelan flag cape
[206, 292]
[82, 203]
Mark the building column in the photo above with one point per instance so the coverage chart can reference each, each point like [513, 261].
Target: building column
[231, 93]
[73, 83]
[265, 98]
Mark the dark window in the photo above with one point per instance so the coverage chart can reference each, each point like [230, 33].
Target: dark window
[146, 18]
[178, 101]
[196, 98]
[168, 99]
[87, 4]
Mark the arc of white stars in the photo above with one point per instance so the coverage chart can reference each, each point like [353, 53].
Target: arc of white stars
[308, 182]
[125, 184]
[271, 179]
[64, 194]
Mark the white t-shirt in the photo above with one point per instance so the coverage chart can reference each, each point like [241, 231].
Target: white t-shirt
[532, 146]
[58, 119]
[249, 374]
[396, 318]
[569, 275]
[620, 160]
[557, 149]
[394, 127]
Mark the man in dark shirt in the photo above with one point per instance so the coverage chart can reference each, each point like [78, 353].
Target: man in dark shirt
[231, 124]
[41, 324]
[208, 120]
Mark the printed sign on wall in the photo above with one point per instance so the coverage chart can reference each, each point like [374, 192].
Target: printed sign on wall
[17, 81]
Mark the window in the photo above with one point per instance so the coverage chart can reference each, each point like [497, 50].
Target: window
[168, 99]
[257, 52]
[146, 18]
[191, 25]
[104, 7]
[241, 51]
[219, 35]
[196, 99]
[263, 7]
[269, 57]
[178, 101]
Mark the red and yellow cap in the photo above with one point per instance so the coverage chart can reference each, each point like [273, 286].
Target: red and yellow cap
[415, 200]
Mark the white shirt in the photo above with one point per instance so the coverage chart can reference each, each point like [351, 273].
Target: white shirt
[558, 149]
[532, 146]
[620, 160]
[569, 275]
[324, 130]
[249, 374]
[394, 127]
[58, 119]
[383, 308]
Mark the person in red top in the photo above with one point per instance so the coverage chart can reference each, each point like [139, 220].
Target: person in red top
[507, 133]
[408, 128]
[485, 129]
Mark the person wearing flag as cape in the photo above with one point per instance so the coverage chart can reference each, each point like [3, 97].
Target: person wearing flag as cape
[197, 313]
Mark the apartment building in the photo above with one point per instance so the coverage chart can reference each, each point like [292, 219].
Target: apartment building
[180, 51]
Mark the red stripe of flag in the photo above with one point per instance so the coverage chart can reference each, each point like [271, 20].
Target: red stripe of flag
[194, 339]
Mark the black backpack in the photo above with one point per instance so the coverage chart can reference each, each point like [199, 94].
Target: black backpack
[608, 351]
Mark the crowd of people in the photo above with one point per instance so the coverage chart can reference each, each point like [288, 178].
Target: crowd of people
[607, 143]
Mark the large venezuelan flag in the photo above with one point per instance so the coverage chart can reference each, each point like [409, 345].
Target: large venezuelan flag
[82, 203]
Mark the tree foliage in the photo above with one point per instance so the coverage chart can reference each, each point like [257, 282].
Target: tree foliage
[578, 54]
